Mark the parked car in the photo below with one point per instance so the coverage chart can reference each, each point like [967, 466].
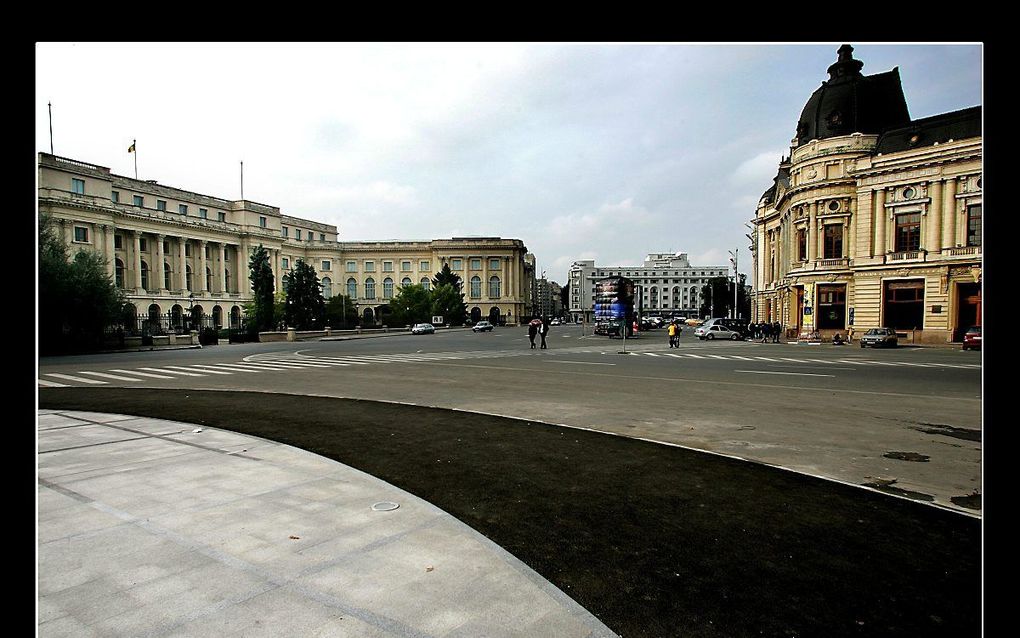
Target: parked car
[423, 329]
[879, 337]
[717, 331]
[554, 322]
[972, 338]
[482, 326]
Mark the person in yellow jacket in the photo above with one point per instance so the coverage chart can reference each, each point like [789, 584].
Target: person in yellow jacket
[674, 332]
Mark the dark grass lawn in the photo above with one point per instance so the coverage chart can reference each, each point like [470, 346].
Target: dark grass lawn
[653, 540]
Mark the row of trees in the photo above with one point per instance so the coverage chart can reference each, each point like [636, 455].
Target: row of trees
[301, 305]
[717, 297]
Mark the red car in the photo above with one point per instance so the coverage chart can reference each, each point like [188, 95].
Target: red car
[972, 338]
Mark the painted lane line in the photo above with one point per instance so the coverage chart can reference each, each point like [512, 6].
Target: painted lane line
[799, 374]
[587, 363]
[716, 356]
[766, 359]
[143, 374]
[327, 364]
[187, 374]
[736, 356]
[793, 360]
[263, 367]
[820, 360]
[694, 356]
[71, 378]
[108, 376]
[225, 366]
[298, 364]
[51, 384]
[650, 354]
[192, 370]
[347, 361]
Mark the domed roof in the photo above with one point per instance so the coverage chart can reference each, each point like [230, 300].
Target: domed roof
[850, 102]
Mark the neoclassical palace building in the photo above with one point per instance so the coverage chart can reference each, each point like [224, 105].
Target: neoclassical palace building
[174, 252]
[874, 219]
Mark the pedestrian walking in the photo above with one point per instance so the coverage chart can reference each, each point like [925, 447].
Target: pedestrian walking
[776, 329]
[765, 329]
[532, 331]
[544, 330]
[671, 331]
[850, 334]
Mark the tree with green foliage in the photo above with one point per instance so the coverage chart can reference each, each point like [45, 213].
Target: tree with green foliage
[78, 299]
[341, 313]
[262, 285]
[447, 276]
[717, 297]
[306, 309]
[412, 304]
[448, 302]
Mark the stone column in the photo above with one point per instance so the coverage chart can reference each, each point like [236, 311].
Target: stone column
[108, 250]
[138, 263]
[223, 269]
[202, 287]
[934, 240]
[949, 213]
[865, 221]
[812, 238]
[881, 221]
[159, 269]
[243, 286]
[183, 264]
[67, 229]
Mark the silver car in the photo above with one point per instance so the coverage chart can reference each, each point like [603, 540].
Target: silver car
[717, 331]
[879, 337]
[423, 329]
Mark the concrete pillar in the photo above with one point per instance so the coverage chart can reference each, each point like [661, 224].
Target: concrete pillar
[182, 278]
[881, 221]
[203, 286]
[160, 268]
[949, 213]
[109, 250]
[934, 241]
[849, 236]
[243, 286]
[812, 238]
[138, 262]
[223, 268]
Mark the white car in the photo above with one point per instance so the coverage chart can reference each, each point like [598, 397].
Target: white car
[423, 329]
[716, 331]
[482, 326]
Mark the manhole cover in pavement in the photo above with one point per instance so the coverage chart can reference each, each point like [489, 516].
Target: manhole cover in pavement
[385, 506]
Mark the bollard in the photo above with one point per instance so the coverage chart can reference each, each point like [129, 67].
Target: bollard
[291, 335]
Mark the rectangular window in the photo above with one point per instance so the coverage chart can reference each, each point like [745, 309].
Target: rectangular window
[456, 264]
[387, 266]
[424, 266]
[115, 197]
[286, 263]
[118, 242]
[476, 264]
[203, 213]
[908, 232]
[221, 216]
[801, 244]
[187, 250]
[81, 234]
[182, 209]
[833, 241]
[974, 225]
[286, 231]
[322, 236]
[297, 234]
[311, 235]
[405, 266]
[160, 204]
[326, 265]
[262, 222]
[494, 264]
[138, 200]
[78, 186]
[143, 245]
[369, 266]
[352, 266]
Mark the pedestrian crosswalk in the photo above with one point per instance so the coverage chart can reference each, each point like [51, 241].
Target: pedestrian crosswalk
[291, 362]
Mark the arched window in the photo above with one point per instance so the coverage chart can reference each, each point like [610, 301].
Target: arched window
[426, 283]
[166, 275]
[494, 291]
[327, 288]
[370, 288]
[406, 281]
[217, 316]
[188, 277]
[145, 275]
[387, 288]
[352, 288]
[476, 286]
[118, 273]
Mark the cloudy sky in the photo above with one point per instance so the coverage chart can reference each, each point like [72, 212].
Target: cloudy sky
[584, 151]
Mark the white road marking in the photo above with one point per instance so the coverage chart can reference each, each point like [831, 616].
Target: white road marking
[799, 374]
[51, 384]
[71, 378]
[143, 374]
[108, 376]
[587, 363]
[192, 370]
[187, 374]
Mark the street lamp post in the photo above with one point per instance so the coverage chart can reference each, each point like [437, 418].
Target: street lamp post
[733, 260]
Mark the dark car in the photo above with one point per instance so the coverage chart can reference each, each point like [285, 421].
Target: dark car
[972, 338]
[879, 337]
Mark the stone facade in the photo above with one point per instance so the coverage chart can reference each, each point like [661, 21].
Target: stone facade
[175, 251]
[874, 228]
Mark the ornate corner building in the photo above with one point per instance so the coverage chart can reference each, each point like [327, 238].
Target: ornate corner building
[174, 252]
[874, 219]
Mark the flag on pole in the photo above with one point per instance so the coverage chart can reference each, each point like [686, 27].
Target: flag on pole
[131, 149]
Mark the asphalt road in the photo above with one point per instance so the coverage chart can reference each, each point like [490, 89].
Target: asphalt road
[906, 420]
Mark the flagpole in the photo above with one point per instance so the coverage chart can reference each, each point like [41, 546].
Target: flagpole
[50, 104]
[242, 180]
[135, 151]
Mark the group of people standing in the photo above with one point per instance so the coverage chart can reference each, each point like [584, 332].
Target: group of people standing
[538, 327]
[765, 331]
